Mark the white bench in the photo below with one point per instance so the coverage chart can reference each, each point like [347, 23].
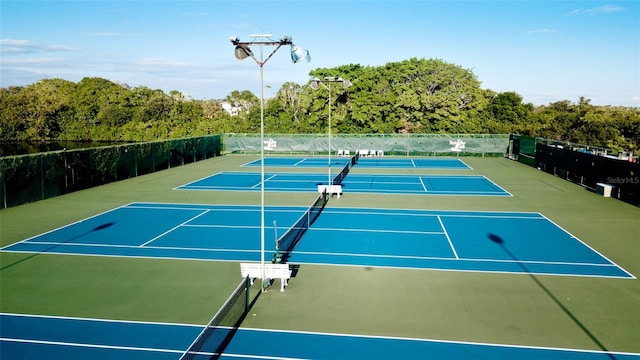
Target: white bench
[271, 271]
[330, 189]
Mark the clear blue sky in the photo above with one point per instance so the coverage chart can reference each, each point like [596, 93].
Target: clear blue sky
[545, 50]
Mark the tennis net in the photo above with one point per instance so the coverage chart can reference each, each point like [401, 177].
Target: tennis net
[337, 180]
[354, 158]
[288, 241]
[345, 170]
[215, 337]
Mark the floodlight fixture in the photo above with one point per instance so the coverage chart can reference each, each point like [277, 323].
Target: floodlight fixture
[299, 54]
[242, 52]
[243, 48]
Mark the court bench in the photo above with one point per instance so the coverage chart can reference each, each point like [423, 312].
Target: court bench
[271, 271]
[331, 189]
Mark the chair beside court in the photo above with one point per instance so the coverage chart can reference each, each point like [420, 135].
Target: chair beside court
[271, 272]
[362, 152]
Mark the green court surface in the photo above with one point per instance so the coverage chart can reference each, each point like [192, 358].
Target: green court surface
[498, 308]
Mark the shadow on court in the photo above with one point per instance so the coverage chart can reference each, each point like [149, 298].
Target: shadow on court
[500, 241]
[97, 228]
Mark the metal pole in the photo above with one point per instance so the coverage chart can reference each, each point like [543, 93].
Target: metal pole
[262, 264]
[329, 182]
[243, 51]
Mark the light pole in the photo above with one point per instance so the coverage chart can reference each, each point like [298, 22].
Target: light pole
[243, 51]
[315, 84]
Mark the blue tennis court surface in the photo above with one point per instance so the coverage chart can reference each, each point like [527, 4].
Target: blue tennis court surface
[46, 337]
[366, 162]
[469, 185]
[438, 240]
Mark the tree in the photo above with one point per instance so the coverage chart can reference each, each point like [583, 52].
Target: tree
[431, 95]
[244, 100]
[37, 111]
[509, 113]
[283, 112]
[411, 96]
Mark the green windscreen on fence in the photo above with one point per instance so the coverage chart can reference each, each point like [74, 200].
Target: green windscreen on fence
[523, 148]
[33, 177]
[389, 144]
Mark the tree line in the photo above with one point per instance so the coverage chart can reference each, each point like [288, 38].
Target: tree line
[412, 96]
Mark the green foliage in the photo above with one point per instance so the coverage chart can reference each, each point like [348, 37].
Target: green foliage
[616, 128]
[415, 96]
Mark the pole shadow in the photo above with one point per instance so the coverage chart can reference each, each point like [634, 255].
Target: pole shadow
[97, 228]
[501, 242]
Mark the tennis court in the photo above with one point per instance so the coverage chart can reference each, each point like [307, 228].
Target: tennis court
[463, 185]
[27, 336]
[418, 239]
[501, 279]
[366, 162]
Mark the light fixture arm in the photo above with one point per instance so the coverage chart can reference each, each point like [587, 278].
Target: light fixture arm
[247, 50]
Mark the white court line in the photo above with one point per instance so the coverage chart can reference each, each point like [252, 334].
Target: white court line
[439, 341]
[439, 258]
[265, 180]
[66, 226]
[423, 185]
[589, 247]
[173, 228]
[92, 346]
[195, 249]
[498, 186]
[453, 248]
[195, 181]
[300, 162]
[334, 264]
[430, 213]
[380, 231]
